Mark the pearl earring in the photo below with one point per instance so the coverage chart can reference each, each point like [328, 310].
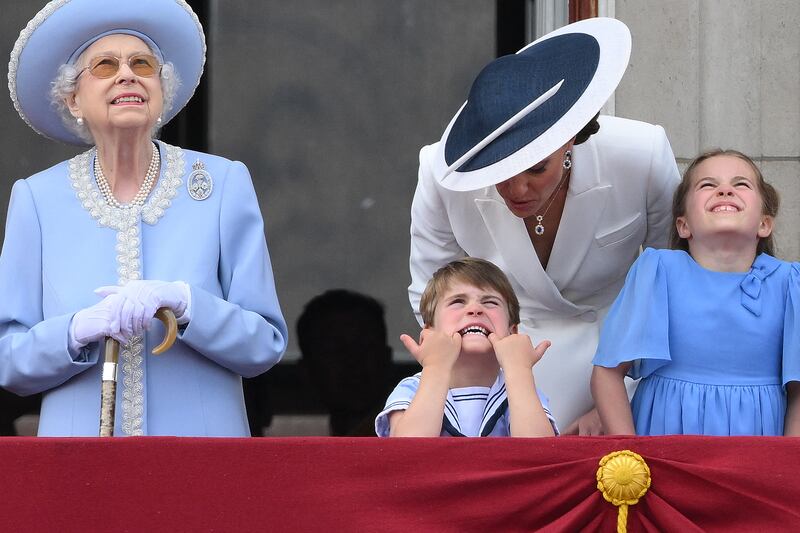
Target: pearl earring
[79, 121]
[158, 121]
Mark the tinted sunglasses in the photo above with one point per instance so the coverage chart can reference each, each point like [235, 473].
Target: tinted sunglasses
[144, 65]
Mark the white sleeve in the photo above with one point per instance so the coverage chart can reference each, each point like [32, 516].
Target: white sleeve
[663, 178]
[433, 243]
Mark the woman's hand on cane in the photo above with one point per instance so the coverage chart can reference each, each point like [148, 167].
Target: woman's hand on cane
[101, 320]
[144, 297]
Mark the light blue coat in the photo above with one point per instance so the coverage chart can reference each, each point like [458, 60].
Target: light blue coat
[62, 241]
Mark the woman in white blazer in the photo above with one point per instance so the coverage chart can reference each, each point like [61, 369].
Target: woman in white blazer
[528, 177]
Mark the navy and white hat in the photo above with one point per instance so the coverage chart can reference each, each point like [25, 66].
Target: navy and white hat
[523, 107]
[63, 29]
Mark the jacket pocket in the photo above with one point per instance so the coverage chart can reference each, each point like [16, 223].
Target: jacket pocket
[619, 233]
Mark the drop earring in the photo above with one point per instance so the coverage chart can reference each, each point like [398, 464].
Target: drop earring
[567, 160]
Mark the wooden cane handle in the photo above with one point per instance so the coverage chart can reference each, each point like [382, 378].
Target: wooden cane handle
[165, 315]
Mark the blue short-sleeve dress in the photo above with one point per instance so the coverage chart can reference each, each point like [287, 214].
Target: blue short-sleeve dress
[714, 349]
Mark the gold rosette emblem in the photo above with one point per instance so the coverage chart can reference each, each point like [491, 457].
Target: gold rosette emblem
[623, 478]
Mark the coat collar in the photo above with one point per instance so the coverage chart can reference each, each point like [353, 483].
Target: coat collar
[496, 406]
[586, 200]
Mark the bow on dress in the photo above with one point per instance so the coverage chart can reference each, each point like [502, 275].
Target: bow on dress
[763, 267]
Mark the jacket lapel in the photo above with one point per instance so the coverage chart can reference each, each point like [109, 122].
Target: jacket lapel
[586, 201]
[511, 239]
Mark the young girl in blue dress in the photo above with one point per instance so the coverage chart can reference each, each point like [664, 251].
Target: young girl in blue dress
[710, 326]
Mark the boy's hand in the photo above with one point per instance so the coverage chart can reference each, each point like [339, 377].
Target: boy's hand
[516, 350]
[434, 348]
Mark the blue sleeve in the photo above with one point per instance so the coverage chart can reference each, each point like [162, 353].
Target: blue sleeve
[398, 400]
[244, 331]
[791, 328]
[637, 326]
[545, 401]
[34, 355]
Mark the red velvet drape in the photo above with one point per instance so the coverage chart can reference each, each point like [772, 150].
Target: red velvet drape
[369, 484]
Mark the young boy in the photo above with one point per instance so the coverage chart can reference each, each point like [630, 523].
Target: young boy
[477, 377]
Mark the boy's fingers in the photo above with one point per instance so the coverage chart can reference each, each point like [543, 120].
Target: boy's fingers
[456, 338]
[410, 344]
[542, 347]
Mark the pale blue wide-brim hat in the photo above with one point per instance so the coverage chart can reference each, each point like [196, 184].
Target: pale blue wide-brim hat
[64, 28]
[523, 107]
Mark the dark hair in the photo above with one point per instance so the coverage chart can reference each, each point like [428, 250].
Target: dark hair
[769, 197]
[588, 130]
[478, 272]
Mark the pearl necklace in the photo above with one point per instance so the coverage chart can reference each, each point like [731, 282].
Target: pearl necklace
[144, 190]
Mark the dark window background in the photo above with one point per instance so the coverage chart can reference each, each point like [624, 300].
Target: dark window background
[510, 26]
[189, 128]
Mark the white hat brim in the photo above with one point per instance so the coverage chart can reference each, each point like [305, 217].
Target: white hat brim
[614, 41]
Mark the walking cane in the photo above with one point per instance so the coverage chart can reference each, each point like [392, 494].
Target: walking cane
[108, 398]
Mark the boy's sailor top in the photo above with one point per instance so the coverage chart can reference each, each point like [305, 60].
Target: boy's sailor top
[468, 411]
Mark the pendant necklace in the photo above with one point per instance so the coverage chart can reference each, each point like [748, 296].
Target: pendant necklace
[539, 228]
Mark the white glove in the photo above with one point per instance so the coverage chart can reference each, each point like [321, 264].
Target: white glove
[97, 322]
[144, 297]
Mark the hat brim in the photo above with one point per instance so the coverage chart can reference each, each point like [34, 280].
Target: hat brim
[62, 27]
[614, 40]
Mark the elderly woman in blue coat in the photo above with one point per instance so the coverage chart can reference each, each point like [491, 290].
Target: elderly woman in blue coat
[95, 245]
